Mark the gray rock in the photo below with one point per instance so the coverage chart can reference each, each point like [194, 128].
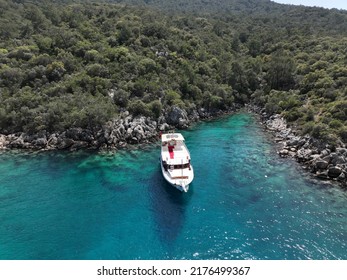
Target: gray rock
[304, 154]
[336, 159]
[121, 129]
[122, 144]
[17, 143]
[276, 123]
[3, 141]
[325, 153]
[177, 117]
[342, 177]
[125, 114]
[202, 113]
[164, 127]
[77, 145]
[292, 154]
[79, 134]
[314, 158]
[129, 132]
[326, 158]
[334, 171]
[52, 140]
[283, 153]
[99, 139]
[29, 138]
[112, 137]
[194, 115]
[133, 140]
[182, 123]
[64, 143]
[138, 132]
[294, 141]
[321, 164]
[127, 122]
[322, 175]
[40, 142]
[341, 151]
[161, 120]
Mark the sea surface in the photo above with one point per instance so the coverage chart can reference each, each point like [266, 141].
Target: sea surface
[244, 203]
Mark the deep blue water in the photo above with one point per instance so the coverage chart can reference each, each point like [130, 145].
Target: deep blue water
[245, 203]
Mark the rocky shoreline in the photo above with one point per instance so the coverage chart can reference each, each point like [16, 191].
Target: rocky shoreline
[321, 160]
[117, 133]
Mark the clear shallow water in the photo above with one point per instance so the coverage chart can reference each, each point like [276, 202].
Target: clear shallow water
[245, 203]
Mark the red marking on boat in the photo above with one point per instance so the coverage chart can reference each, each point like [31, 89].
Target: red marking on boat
[171, 152]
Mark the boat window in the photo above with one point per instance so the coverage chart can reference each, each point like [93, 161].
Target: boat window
[180, 166]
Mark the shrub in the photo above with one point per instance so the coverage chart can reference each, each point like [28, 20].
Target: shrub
[293, 115]
[335, 124]
[97, 70]
[320, 131]
[343, 134]
[147, 65]
[172, 97]
[121, 97]
[156, 107]
[137, 107]
[55, 70]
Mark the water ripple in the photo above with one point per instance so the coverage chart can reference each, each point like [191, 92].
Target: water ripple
[245, 203]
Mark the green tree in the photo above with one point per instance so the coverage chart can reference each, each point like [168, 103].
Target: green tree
[281, 70]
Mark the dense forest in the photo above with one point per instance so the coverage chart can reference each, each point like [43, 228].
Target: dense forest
[66, 64]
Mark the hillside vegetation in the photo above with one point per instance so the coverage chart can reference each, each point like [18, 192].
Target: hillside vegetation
[68, 65]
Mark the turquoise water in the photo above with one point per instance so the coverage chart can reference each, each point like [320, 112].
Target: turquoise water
[245, 203]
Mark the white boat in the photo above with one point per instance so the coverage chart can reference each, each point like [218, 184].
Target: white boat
[175, 161]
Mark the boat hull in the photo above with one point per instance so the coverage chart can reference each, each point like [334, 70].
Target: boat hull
[182, 184]
[175, 161]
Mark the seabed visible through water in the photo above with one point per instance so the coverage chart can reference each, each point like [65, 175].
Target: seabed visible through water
[244, 203]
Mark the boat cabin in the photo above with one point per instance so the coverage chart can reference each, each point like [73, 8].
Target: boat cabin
[175, 154]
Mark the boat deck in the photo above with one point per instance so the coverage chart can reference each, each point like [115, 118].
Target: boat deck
[177, 154]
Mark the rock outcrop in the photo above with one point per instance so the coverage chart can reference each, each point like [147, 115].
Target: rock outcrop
[177, 117]
[323, 161]
[128, 129]
[116, 133]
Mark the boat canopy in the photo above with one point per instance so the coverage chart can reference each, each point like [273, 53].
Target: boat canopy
[172, 136]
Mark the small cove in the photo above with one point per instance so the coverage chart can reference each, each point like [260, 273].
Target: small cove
[245, 203]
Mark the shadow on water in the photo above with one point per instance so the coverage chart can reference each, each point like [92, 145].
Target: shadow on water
[168, 206]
